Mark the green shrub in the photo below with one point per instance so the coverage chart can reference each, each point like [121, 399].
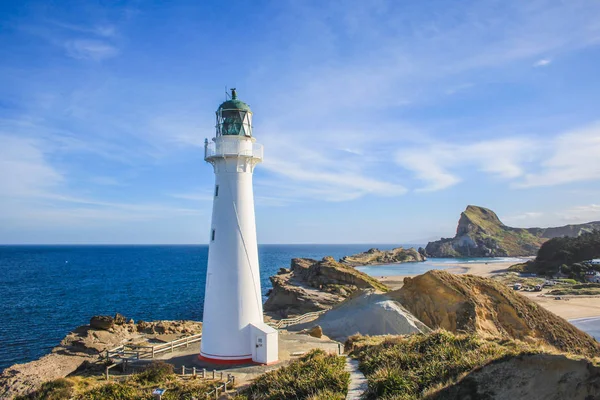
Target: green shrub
[155, 372]
[569, 281]
[405, 367]
[112, 391]
[317, 375]
[57, 389]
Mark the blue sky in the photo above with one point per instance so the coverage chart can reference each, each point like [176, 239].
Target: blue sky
[381, 120]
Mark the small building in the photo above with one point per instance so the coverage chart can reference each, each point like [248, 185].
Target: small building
[592, 276]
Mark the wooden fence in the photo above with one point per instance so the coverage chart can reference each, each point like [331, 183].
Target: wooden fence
[284, 323]
[135, 352]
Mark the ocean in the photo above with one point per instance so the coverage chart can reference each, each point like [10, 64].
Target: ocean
[47, 291]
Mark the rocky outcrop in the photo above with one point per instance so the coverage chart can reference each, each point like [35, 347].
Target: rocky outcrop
[466, 303]
[368, 313]
[531, 376]
[312, 285]
[480, 233]
[376, 256]
[103, 322]
[81, 349]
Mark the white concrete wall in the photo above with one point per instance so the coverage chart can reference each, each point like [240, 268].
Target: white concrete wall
[267, 352]
[233, 298]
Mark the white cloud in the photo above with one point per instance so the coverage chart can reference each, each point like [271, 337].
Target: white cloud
[24, 170]
[582, 214]
[542, 62]
[440, 164]
[570, 157]
[524, 219]
[86, 49]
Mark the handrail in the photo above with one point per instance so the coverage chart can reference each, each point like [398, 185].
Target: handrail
[282, 323]
[232, 149]
[124, 350]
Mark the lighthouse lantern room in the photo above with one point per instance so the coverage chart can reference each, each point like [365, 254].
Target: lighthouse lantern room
[233, 329]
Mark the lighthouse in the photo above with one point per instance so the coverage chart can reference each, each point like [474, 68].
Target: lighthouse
[233, 329]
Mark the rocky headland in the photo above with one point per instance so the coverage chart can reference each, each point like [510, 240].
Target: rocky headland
[480, 233]
[82, 348]
[376, 256]
[312, 285]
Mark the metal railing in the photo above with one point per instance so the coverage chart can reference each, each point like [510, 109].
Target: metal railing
[232, 149]
[283, 323]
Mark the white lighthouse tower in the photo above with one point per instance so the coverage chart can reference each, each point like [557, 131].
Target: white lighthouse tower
[233, 330]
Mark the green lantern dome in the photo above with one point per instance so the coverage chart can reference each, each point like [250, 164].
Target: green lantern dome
[234, 103]
[234, 117]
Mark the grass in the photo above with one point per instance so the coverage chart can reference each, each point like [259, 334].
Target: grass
[136, 387]
[415, 366]
[57, 389]
[510, 278]
[582, 289]
[315, 376]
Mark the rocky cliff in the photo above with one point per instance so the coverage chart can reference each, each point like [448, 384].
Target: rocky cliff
[376, 256]
[467, 303]
[81, 349]
[480, 233]
[311, 285]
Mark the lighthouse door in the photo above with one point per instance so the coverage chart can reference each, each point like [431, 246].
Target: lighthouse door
[261, 349]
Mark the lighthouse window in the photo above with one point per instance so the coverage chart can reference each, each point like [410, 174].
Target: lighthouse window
[216, 190]
[212, 236]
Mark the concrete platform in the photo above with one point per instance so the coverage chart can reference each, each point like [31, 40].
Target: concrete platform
[291, 346]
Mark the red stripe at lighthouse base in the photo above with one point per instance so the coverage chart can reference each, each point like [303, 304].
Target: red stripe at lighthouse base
[225, 362]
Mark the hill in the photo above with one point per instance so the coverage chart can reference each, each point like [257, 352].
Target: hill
[446, 366]
[480, 233]
[467, 303]
[569, 254]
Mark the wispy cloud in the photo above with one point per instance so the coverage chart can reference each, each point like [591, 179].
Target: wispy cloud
[542, 62]
[102, 30]
[582, 214]
[440, 165]
[569, 157]
[86, 49]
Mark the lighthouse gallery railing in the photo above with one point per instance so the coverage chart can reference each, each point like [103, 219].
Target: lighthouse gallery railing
[233, 149]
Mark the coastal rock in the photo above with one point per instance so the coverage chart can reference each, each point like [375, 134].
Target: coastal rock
[467, 303]
[104, 322]
[83, 348]
[119, 319]
[368, 313]
[480, 233]
[316, 331]
[313, 285]
[376, 256]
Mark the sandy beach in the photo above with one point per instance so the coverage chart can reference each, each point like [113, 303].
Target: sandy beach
[568, 307]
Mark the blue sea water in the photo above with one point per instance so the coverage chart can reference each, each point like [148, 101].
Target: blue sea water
[589, 325]
[46, 291]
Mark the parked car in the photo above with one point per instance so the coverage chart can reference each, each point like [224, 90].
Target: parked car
[517, 286]
[537, 288]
